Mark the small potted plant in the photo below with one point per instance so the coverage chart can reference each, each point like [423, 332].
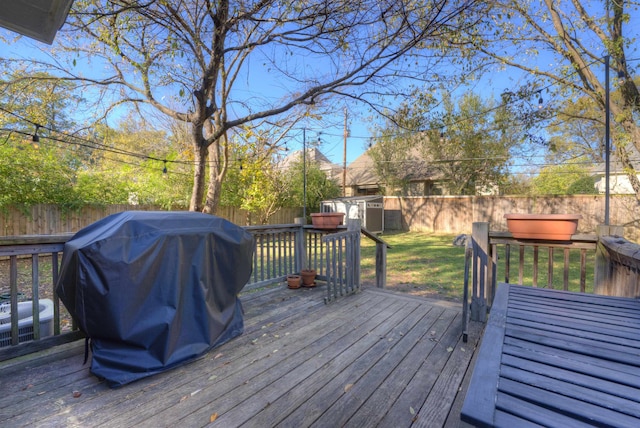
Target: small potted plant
[308, 277]
[293, 281]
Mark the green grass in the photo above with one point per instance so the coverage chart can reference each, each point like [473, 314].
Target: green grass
[420, 263]
[543, 268]
[429, 265]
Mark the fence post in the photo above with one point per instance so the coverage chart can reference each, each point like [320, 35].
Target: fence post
[602, 275]
[480, 240]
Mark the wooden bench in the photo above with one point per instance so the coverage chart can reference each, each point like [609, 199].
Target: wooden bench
[557, 358]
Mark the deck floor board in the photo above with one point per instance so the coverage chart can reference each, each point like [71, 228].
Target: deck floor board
[376, 358]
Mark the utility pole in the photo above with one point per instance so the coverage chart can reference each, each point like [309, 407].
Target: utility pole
[344, 156]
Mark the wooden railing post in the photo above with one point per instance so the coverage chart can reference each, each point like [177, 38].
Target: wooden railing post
[381, 258]
[353, 250]
[602, 273]
[480, 291]
[300, 250]
[381, 264]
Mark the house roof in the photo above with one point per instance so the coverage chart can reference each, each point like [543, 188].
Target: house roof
[615, 166]
[362, 171]
[316, 156]
[39, 20]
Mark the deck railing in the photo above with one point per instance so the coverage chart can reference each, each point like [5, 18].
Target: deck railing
[279, 250]
[602, 263]
[342, 268]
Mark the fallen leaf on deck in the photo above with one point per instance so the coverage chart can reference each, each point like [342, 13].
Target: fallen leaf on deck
[275, 350]
[27, 387]
[184, 398]
[217, 356]
[195, 392]
[413, 412]
[449, 349]
[213, 417]
[77, 394]
[212, 377]
[433, 332]
[462, 349]
[347, 387]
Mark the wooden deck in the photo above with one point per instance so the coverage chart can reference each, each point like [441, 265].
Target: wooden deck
[376, 358]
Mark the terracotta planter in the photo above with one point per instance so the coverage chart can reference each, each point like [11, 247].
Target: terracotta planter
[308, 277]
[550, 227]
[294, 281]
[326, 220]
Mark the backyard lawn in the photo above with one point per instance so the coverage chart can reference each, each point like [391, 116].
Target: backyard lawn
[418, 263]
[429, 265]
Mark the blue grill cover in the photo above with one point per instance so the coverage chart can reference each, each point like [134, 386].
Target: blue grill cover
[154, 290]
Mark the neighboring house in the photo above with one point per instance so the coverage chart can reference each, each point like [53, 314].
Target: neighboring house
[316, 157]
[363, 180]
[619, 183]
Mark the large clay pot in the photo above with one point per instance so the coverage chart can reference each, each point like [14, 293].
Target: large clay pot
[308, 277]
[326, 220]
[553, 227]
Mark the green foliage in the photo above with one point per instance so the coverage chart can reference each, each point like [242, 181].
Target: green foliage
[565, 179]
[319, 187]
[253, 181]
[30, 175]
[459, 144]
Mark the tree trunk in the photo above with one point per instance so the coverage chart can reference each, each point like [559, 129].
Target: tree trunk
[217, 171]
[623, 152]
[199, 171]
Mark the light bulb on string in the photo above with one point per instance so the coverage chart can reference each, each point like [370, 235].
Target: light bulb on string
[164, 169]
[36, 138]
[540, 100]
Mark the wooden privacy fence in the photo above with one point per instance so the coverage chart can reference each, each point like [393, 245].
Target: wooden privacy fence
[455, 214]
[46, 219]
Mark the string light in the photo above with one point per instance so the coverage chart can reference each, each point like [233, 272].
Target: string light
[540, 100]
[164, 170]
[36, 138]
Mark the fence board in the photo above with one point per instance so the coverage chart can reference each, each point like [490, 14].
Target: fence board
[455, 214]
[47, 219]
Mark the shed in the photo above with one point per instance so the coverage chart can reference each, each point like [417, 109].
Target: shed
[368, 209]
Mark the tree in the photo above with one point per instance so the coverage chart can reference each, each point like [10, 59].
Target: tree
[33, 174]
[393, 165]
[463, 144]
[319, 187]
[219, 65]
[580, 37]
[118, 173]
[37, 164]
[563, 179]
[253, 182]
